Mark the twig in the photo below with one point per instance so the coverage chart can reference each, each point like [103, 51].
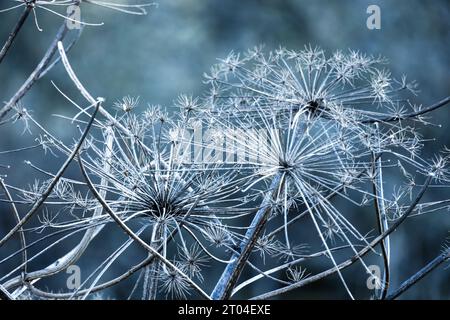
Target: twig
[377, 185]
[436, 262]
[23, 17]
[431, 108]
[54, 181]
[357, 256]
[230, 275]
[35, 75]
[58, 59]
[84, 92]
[17, 218]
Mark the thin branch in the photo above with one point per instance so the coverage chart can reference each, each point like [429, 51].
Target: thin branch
[357, 256]
[230, 275]
[84, 92]
[17, 218]
[58, 59]
[23, 17]
[436, 262]
[431, 108]
[53, 183]
[36, 74]
[379, 211]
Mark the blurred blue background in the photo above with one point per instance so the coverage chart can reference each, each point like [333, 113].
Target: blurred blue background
[165, 53]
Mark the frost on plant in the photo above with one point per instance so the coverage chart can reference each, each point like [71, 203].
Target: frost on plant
[213, 195]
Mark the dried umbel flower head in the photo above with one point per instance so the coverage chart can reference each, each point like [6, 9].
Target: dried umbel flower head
[179, 206]
[288, 137]
[314, 128]
[309, 80]
[127, 103]
[308, 157]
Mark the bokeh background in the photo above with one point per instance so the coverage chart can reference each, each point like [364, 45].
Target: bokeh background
[165, 53]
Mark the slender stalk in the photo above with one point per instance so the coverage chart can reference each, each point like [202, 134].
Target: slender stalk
[357, 256]
[54, 181]
[58, 59]
[379, 211]
[36, 74]
[84, 92]
[150, 288]
[23, 17]
[431, 108]
[433, 264]
[230, 275]
[23, 243]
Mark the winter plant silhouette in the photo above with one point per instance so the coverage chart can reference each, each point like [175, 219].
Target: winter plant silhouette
[273, 147]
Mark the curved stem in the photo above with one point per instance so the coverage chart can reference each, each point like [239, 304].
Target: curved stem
[357, 256]
[54, 181]
[379, 211]
[36, 74]
[136, 238]
[433, 107]
[21, 234]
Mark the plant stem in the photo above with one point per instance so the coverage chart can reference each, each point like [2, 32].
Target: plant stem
[17, 218]
[230, 275]
[23, 17]
[436, 262]
[433, 107]
[37, 204]
[150, 288]
[357, 256]
[381, 221]
[36, 74]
